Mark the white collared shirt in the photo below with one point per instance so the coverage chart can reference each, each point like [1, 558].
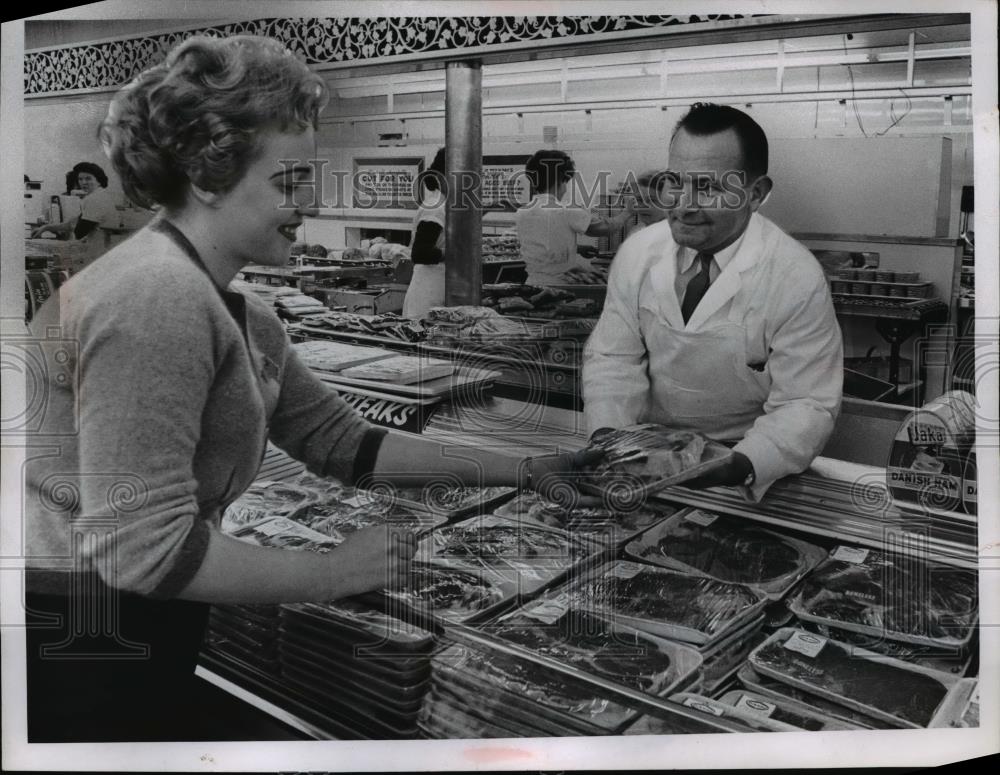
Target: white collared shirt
[688, 267]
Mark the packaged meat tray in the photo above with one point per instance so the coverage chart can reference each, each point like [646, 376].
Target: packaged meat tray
[614, 652]
[603, 526]
[728, 549]
[719, 664]
[677, 606]
[955, 660]
[898, 692]
[265, 499]
[338, 516]
[451, 502]
[283, 533]
[452, 594]
[507, 686]
[796, 717]
[642, 459]
[893, 596]
[800, 700]
[531, 555]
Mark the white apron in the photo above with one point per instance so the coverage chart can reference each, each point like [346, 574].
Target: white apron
[699, 373]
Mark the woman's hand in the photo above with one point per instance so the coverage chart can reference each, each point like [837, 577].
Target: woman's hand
[555, 476]
[372, 558]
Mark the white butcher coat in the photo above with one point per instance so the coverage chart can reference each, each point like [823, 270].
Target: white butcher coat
[760, 360]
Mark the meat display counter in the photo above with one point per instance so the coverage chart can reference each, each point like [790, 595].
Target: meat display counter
[526, 621]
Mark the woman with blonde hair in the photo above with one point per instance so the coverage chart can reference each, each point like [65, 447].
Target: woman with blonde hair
[159, 414]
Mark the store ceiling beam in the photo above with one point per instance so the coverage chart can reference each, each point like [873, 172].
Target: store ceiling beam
[888, 92]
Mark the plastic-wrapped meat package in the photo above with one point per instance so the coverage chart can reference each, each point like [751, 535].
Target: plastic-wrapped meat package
[794, 697]
[895, 691]
[452, 594]
[283, 533]
[694, 609]
[337, 516]
[266, 499]
[645, 458]
[729, 549]
[551, 627]
[602, 525]
[451, 501]
[897, 597]
[503, 543]
[498, 684]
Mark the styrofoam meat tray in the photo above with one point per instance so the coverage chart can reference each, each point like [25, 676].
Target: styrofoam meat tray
[729, 549]
[603, 525]
[892, 597]
[672, 605]
[895, 691]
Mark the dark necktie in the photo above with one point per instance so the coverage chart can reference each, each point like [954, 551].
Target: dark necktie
[696, 287]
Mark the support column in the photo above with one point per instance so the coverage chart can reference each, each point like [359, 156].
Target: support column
[464, 164]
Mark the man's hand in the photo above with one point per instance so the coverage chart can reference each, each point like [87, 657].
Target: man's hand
[733, 473]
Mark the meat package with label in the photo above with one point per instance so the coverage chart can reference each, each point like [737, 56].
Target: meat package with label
[729, 549]
[266, 499]
[678, 606]
[891, 596]
[603, 525]
[340, 515]
[900, 693]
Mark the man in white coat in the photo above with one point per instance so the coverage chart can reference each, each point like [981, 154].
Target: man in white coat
[716, 320]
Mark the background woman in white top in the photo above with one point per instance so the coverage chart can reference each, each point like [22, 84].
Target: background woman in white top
[427, 249]
[547, 228]
[97, 208]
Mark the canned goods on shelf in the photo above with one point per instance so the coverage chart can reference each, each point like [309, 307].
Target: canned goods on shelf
[866, 274]
[839, 286]
[916, 291]
[885, 277]
[897, 291]
[860, 288]
[879, 289]
[845, 274]
[907, 277]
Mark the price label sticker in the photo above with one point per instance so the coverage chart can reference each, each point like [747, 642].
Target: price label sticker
[700, 517]
[852, 554]
[358, 499]
[925, 434]
[805, 643]
[273, 527]
[626, 570]
[548, 611]
[755, 706]
[702, 704]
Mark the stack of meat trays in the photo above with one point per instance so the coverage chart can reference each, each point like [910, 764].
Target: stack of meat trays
[354, 665]
[248, 633]
[721, 620]
[606, 526]
[735, 551]
[903, 607]
[900, 694]
[527, 557]
[486, 691]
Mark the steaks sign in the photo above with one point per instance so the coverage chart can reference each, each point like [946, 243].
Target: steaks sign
[412, 417]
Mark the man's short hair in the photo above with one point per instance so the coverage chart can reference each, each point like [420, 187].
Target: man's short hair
[547, 168]
[707, 118]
